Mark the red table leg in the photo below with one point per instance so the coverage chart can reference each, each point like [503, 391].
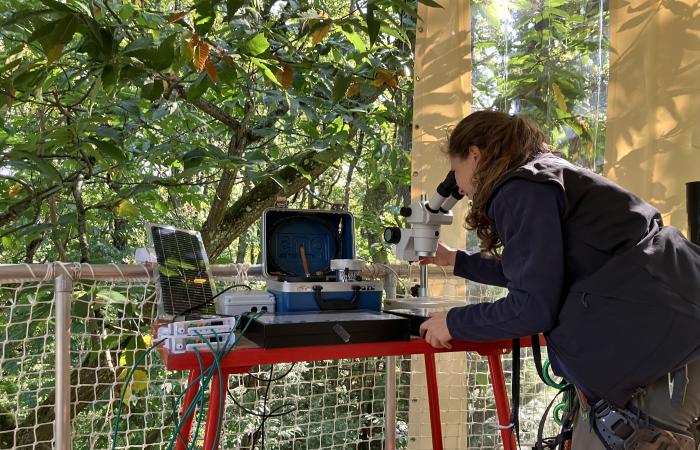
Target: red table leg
[498, 381]
[193, 387]
[217, 402]
[433, 400]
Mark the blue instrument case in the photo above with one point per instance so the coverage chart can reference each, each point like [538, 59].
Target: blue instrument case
[298, 247]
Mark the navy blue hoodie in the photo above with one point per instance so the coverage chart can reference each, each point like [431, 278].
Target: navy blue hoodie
[589, 265]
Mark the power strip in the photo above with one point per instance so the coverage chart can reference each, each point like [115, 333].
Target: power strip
[186, 335]
[201, 326]
[182, 344]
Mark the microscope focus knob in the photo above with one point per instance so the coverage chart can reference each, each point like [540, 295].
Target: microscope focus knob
[392, 235]
[405, 211]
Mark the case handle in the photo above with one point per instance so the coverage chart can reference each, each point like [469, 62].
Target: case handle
[336, 305]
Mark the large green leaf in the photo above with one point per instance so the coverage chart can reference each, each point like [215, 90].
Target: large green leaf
[204, 16]
[373, 24]
[110, 151]
[140, 47]
[198, 87]
[165, 54]
[353, 37]
[341, 84]
[257, 45]
[42, 165]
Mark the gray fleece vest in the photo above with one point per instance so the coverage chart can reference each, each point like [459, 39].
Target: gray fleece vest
[631, 310]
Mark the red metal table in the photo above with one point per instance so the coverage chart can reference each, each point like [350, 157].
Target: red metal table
[242, 358]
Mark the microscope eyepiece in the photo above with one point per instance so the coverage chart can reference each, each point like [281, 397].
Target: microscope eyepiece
[445, 188]
[392, 235]
[451, 201]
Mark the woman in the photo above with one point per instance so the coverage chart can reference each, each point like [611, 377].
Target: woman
[590, 265]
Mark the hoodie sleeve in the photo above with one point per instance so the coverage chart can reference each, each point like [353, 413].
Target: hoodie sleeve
[480, 268]
[527, 217]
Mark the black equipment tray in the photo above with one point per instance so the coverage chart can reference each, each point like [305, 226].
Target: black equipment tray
[415, 316]
[327, 328]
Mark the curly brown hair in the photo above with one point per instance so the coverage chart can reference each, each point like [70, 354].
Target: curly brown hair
[506, 143]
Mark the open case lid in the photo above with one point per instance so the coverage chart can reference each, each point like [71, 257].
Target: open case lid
[324, 235]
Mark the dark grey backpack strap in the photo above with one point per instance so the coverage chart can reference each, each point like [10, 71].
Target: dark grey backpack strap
[677, 384]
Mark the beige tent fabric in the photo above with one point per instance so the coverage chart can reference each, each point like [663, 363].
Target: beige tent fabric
[653, 129]
[442, 97]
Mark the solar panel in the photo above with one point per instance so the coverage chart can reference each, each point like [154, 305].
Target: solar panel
[183, 272]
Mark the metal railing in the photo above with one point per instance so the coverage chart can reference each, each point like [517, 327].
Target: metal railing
[65, 278]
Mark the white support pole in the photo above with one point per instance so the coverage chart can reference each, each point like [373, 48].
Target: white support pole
[62, 301]
[390, 391]
[390, 409]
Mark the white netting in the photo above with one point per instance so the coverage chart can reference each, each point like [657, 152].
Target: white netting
[337, 404]
[27, 365]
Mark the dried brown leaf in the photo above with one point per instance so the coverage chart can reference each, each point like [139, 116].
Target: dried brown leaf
[353, 89]
[211, 71]
[177, 16]
[200, 56]
[320, 33]
[285, 75]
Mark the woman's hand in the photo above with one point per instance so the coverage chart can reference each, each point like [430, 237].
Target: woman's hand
[444, 256]
[435, 332]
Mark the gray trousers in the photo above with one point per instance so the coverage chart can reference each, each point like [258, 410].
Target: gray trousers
[657, 404]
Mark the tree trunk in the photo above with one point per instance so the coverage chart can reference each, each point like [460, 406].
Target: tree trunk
[242, 248]
[82, 228]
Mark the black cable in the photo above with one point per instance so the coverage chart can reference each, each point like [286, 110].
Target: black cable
[270, 380]
[231, 287]
[273, 412]
[265, 415]
[264, 418]
[267, 380]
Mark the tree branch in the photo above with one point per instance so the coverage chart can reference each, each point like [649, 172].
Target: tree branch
[80, 208]
[248, 208]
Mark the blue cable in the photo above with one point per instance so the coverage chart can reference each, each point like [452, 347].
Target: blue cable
[201, 402]
[209, 374]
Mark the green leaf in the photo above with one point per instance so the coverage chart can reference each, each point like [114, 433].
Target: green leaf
[204, 17]
[341, 83]
[280, 181]
[140, 48]
[354, 38]
[42, 165]
[58, 6]
[110, 75]
[152, 91]
[257, 44]
[111, 151]
[124, 208]
[373, 24]
[65, 29]
[165, 54]
[431, 3]
[42, 31]
[266, 70]
[231, 7]
[198, 87]
[34, 231]
[193, 158]
[106, 296]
